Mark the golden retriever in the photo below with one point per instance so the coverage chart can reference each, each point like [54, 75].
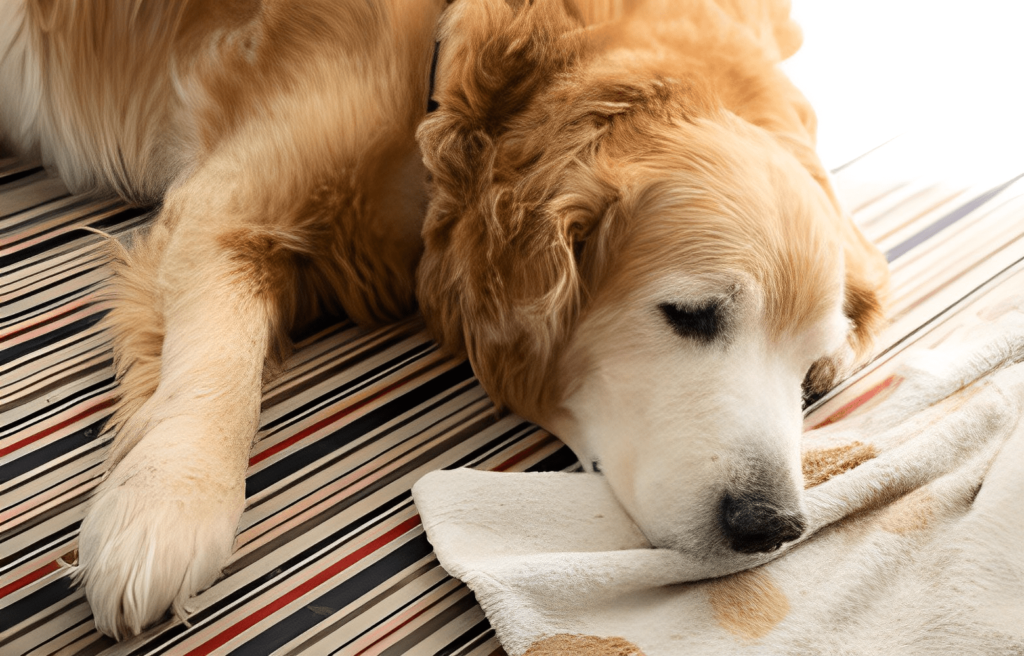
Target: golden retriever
[616, 210]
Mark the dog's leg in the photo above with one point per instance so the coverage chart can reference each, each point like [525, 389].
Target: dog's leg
[135, 324]
[162, 523]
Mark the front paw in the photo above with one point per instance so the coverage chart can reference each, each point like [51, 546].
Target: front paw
[159, 529]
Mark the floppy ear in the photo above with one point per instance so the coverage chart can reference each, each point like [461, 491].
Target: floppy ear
[866, 281]
[867, 288]
[505, 295]
[867, 272]
[794, 124]
[499, 280]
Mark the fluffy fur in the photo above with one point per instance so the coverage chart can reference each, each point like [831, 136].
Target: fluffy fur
[590, 161]
[593, 161]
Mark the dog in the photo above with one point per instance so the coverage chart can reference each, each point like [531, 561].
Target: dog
[613, 208]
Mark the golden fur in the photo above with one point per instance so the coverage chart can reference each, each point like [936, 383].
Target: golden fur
[582, 149]
[539, 154]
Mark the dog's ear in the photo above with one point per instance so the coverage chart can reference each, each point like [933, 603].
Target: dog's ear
[867, 288]
[867, 272]
[499, 282]
[793, 123]
[499, 279]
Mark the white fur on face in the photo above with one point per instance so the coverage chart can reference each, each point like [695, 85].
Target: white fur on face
[675, 423]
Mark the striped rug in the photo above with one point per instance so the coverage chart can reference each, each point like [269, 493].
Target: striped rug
[330, 557]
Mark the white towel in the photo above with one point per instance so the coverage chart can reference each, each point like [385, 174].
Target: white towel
[915, 546]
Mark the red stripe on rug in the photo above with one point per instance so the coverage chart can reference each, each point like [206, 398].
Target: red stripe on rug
[261, 614]
[522, 455]
[29, 578]
[19, 330]
[284, 444]
[56, 427]
[847, 409]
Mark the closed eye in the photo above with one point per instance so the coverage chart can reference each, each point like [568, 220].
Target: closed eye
[704, 322]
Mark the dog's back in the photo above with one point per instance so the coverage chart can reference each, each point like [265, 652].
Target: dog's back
[126, 96]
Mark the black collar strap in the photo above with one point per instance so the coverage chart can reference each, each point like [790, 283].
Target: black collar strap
[432, 104]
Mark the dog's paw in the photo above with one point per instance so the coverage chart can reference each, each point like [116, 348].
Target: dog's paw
[159, 529]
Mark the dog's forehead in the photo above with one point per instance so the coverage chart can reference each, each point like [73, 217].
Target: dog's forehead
[687, 239]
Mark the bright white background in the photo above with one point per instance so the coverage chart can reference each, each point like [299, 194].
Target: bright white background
[953, 70]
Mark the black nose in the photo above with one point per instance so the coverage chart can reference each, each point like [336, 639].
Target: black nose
[754, 525]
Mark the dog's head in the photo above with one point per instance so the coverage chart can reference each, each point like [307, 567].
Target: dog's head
[631, 264]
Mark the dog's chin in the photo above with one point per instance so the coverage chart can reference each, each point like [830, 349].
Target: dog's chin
[701, 545]
[706, 554]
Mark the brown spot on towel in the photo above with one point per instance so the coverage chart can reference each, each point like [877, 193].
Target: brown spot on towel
[822, 464]
[747, 604]
[913, 512]
[582, 645]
